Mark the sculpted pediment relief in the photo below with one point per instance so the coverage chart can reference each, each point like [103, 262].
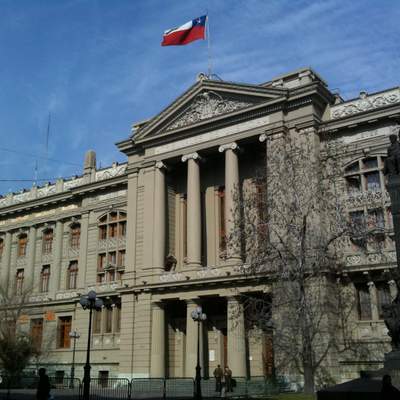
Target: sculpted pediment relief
[206, 105]
[203, 102]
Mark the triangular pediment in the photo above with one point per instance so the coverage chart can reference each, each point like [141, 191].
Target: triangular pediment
[203, 103]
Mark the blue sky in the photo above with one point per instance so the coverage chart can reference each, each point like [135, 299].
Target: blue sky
[97, 65]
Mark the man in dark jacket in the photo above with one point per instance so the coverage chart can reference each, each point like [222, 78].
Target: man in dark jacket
[43, 388]
[218, 374]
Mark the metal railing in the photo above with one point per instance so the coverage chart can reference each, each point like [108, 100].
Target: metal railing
[24, 388]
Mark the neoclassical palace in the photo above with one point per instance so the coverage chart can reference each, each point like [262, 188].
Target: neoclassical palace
[149, 235]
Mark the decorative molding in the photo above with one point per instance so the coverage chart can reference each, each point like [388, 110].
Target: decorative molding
[160, 165]
[192, 156]
[262, 138]
[210, 136]
[367, 198]
[207, 105]
[115, 170]
[229, 146]
[366, 103]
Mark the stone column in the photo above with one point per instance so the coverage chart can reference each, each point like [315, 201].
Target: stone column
[393, 289]
[159, 241]
[29, 272]
[83, 246]
[236, 337]
[6, 261]
[231, 193]
[55, 269]
[158, 342]
[193, 210]
[374, 301]
[191, 341]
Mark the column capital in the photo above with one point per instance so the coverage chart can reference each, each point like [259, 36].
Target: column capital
[263, 137]
[228, 146]
[160, 165]
[191, 156]
[370, 284]
[391, 282]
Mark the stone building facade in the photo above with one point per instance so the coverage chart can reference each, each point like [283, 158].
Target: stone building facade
[149, 235]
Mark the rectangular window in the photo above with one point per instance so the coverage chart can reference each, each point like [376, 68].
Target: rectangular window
[47, 242]
[111, 275]
[19, 282]
[101, 262]
[97, 321]
[37, 332]
[59, 378]
[64, 328]
[108, 320]
[222, 227]
[112, 230]
[122, 229]
[103, 379]
[353, 185]
[112, 258]
[384, 297]
[117, 311]
[364, 302]
[376, 219]
[121, 258]
[75, 237]
[103, 232]
[72, 276]
[357, 219]
[45, 278]
[22, 242]
[373, 181]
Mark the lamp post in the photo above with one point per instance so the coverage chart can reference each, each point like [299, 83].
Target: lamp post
[90, 302]
[73, 335]
[198, 316]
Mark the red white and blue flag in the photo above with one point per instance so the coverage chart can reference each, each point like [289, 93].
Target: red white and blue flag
[189, 32]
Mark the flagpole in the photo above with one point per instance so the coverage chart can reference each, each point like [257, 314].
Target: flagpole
[209, 47]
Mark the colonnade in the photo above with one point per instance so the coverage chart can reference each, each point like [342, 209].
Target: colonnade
[236, 342]
[194, 206]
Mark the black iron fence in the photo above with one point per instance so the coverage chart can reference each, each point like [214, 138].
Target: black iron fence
[64, 388]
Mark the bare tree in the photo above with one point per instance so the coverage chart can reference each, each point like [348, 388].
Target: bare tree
[294, 228]
[16, 347]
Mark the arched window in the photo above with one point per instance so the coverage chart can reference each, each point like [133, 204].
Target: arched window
[112, 225]
[363, 178]
[22, 242]
[72, 275]
[47, 241]
[75, 236]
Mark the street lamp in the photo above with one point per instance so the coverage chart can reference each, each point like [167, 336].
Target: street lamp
[73, 335]
[199, 316]
[91, 302]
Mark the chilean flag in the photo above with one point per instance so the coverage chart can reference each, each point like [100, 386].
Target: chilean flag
[189, 32]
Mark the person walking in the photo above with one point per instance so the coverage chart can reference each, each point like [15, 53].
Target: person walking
[218, 374]
[43, 388]
[228, 379]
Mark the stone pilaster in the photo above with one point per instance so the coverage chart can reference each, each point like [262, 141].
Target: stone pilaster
[159, 217]
[55, 269]
[236, 337]
[158, 342]
[131, 226]
[231, 194]
[83, 248]
[191, 341]
[6, 261]
[193, 210]
[30, 268]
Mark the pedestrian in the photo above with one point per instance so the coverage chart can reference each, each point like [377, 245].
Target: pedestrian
[388, 391]
[228, 379]
[43, 388]
[218, 374]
